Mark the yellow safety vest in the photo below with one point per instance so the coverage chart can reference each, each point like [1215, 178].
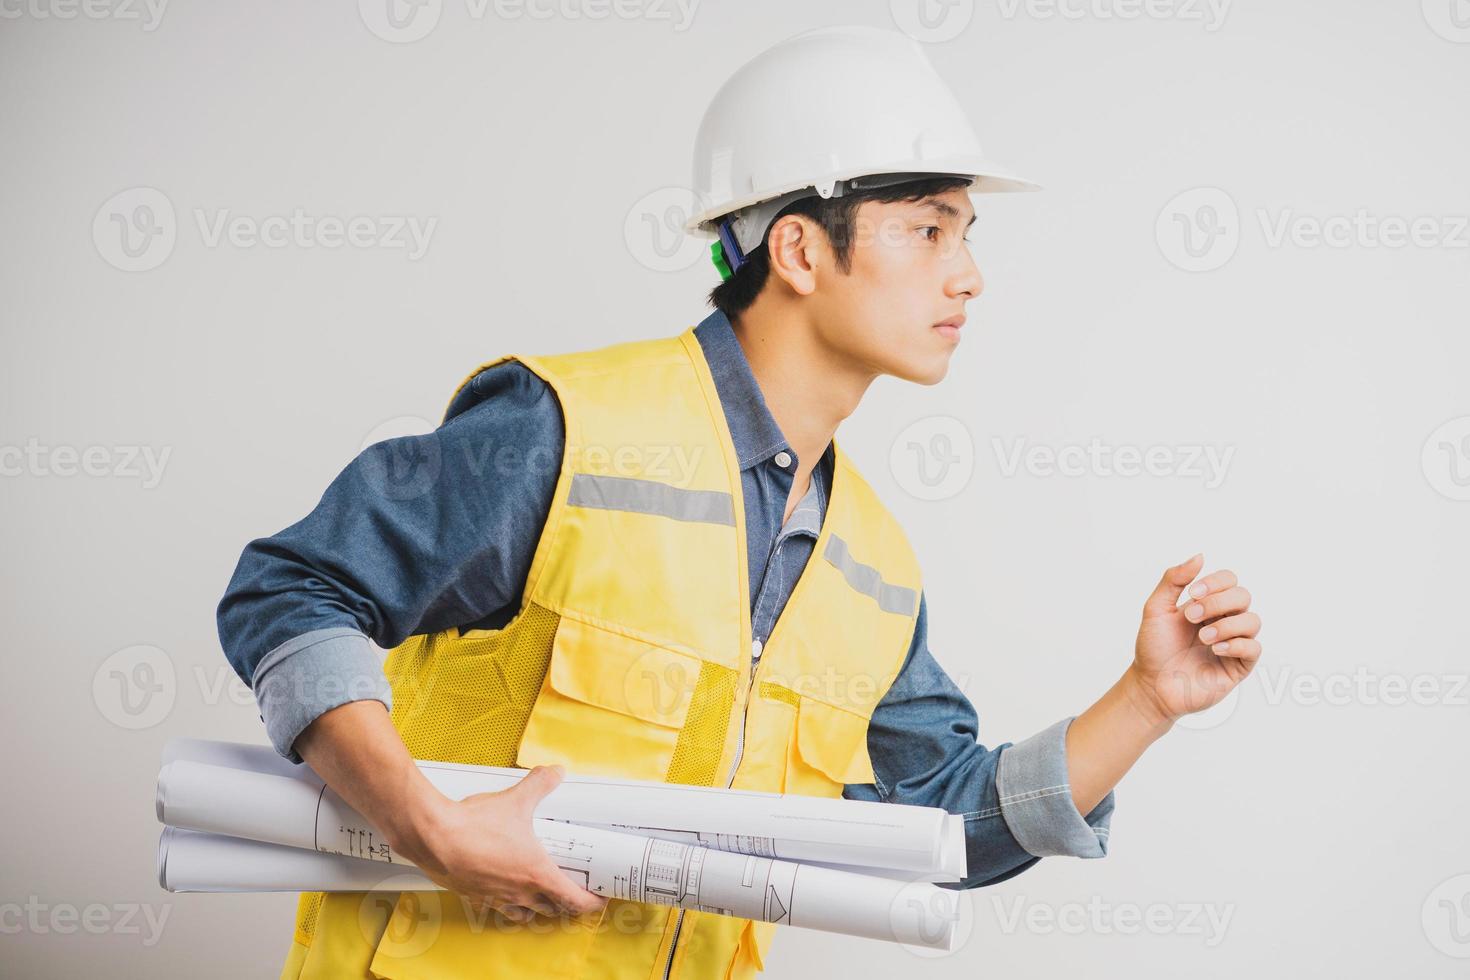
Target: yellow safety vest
[630, 656]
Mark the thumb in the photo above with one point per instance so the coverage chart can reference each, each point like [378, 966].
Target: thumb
[1166, 594]
[534, 785]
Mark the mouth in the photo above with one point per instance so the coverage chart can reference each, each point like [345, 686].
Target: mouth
[950, 328]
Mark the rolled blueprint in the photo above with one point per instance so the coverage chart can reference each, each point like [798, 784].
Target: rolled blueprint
[926, 843]
[606, 863]
[228, 810]
[191, 861]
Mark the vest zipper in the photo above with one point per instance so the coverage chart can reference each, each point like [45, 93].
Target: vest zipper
[755, 656]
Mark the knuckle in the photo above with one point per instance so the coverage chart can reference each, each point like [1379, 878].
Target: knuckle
[551, 882]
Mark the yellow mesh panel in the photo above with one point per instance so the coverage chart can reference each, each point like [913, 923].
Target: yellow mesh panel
[775, 692]
[307, 907]
[466, 699]
[461, 699]
[696, 758]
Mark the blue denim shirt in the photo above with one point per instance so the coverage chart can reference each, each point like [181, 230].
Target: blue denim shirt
[421, 533]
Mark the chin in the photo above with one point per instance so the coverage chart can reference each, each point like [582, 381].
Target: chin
[929, 371]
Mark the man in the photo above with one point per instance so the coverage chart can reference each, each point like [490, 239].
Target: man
[652, 560]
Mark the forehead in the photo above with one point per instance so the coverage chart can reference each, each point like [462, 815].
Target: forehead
[951, 204]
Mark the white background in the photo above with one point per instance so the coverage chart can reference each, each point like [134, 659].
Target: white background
[1327, 830]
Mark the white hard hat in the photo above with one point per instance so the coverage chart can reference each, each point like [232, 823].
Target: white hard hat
[811, 113]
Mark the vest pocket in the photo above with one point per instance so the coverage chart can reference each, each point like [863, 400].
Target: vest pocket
[610, 704]
[750, 954]
[829, 749]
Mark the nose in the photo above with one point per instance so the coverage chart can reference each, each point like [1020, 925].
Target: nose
[966, 281]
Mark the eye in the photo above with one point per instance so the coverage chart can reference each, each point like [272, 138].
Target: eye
[928, 228]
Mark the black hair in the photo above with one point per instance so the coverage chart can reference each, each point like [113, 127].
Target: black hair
[836, 216]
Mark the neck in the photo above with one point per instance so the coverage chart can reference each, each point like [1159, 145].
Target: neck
[808, 387]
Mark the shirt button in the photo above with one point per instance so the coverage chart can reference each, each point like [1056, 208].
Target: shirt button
[783, 459]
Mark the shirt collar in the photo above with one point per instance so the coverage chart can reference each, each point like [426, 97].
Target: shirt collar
[752, 427]
[807, 517]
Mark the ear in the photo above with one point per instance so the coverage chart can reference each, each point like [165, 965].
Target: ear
[793, 250]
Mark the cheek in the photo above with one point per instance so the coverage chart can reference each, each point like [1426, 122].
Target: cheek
[890, 275]
[898, 290]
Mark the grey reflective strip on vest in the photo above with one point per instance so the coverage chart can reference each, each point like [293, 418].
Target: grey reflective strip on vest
[865, 578]
[651, 497]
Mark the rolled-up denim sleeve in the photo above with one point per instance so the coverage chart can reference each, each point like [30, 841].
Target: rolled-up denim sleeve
[1036, 799]
[923, 739]
[311, 674]
[415, 535]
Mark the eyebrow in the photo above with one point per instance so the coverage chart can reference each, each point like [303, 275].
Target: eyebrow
[947, 209]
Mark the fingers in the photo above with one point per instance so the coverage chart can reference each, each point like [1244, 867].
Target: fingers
[564, 898]
[1213, 582]
[1232, 600]
[1166, 594]
[1246, 649]
[540, 904]
[516, 913]
[524, 904]
[558, 889]
[1247, 624]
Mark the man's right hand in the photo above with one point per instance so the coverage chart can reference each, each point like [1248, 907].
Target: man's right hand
[481, 847]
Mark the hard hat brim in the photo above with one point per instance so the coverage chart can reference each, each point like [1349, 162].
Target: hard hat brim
[990, 178]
